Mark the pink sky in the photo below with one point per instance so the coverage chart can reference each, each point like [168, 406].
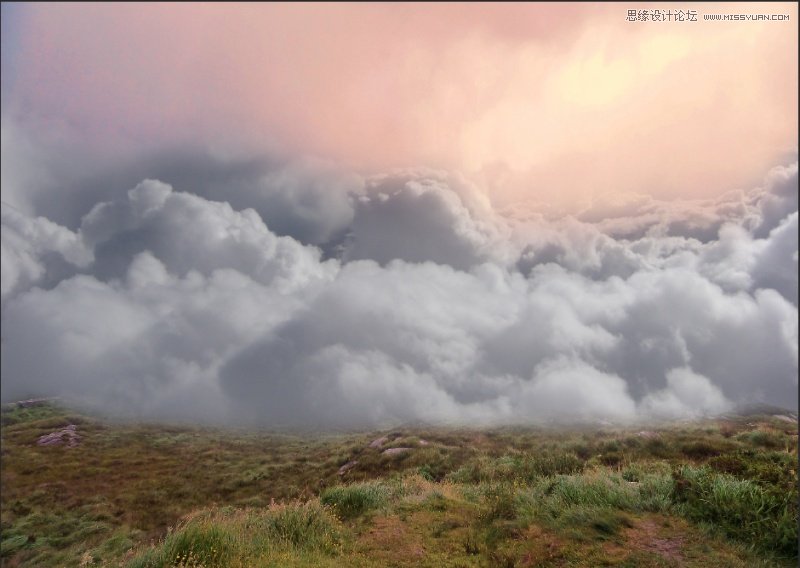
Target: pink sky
[554, 102]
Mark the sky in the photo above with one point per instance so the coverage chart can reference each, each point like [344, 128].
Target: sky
[347, 215]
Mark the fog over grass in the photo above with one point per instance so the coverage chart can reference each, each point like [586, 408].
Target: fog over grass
[297, 294]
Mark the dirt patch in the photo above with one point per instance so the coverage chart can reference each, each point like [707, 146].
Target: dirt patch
[390, 538]
[541, 546]
[645, 536]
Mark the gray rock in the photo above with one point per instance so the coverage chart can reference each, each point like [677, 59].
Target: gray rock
[395, 451]
[347, 467]
[378, 442]
[67, 434]
[647, 434]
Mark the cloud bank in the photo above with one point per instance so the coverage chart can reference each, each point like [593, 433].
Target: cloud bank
[328, 299]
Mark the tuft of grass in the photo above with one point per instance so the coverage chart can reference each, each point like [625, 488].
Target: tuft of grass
[522, 468]
[762, 439]
[245, 537]
[740, 508]
[352, 500]
[310, 526]
[547, 500]
[603, 523]
[18, 415]
[500, 500]
[767, 468]
[195, 544]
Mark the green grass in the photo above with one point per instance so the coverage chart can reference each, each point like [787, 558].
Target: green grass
[352, 500]
[712, 493]
[743, 509]
[246, 537]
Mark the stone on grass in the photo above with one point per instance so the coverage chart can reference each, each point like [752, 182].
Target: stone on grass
[68, 435]
[378, 442]
[347, 467]
[395, 451]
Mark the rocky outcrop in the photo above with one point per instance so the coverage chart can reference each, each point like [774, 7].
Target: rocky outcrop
[67, 435]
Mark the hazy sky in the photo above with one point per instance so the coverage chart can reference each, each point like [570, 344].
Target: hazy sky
[348, 214]
[685, 109]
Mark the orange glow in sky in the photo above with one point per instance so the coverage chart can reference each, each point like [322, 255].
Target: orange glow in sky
[560, 102]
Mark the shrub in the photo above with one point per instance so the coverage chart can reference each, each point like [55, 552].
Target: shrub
[700, 449]
[631, 474]
[778, 469]
[500, 500]
[426, 472]
[610, 458]
[762, 438]
[657, 447]
[580, 449]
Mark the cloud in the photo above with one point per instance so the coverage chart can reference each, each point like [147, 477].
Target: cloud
[536, 89]
[36, 250]
[189, 233]
[759, 210]
[429, 305]
[424, 216]
[688, 395]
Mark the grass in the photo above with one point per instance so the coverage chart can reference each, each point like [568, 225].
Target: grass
[743, 509]
[246, 537]
[352, 500]
[711, 493]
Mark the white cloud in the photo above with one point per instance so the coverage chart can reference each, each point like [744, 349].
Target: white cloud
[440, 308]
[30, 245]
[687, 395]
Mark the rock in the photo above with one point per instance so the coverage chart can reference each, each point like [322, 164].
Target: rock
[786, 418]
[68, 434]
[647, 434]
[395, 451]
[424, 442]
[32, 402]
[378, 442]
[347, 467]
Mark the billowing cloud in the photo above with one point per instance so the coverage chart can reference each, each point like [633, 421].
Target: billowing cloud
[35, 250]
[687, 395]
[189, 233]
[425, 216]
[428, 304]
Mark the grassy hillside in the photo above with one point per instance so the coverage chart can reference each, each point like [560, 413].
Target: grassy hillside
[712, 493]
